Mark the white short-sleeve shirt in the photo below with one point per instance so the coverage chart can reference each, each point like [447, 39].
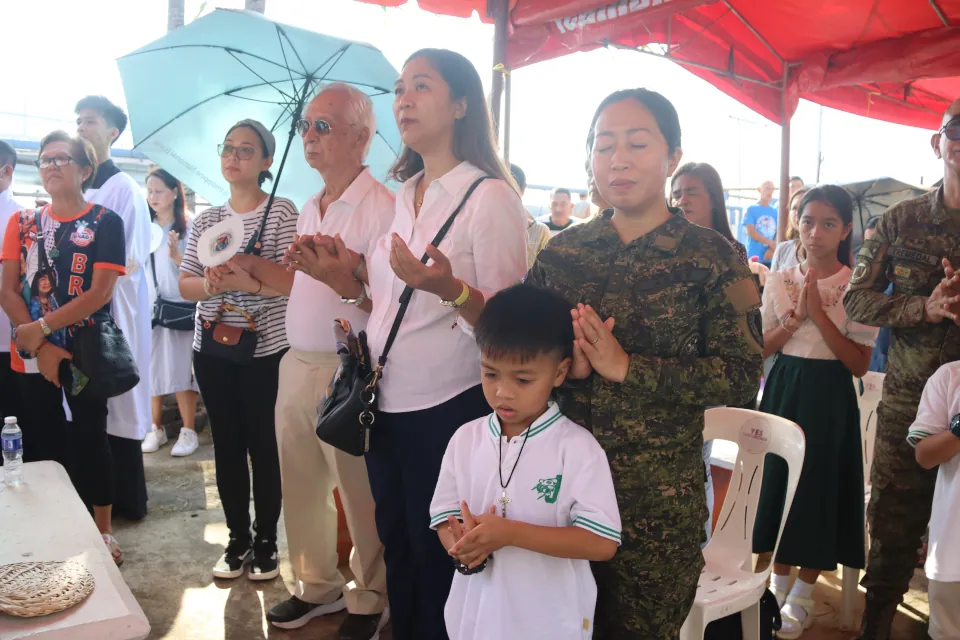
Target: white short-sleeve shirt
[781, 294]
[939, 403]
[432, 360]
[360, 216]
[562, 479]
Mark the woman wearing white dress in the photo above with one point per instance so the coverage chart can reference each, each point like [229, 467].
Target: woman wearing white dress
[171, 359]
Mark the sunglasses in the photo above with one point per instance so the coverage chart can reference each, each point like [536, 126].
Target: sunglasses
[951, 130]
[227, 150]
[322, 127]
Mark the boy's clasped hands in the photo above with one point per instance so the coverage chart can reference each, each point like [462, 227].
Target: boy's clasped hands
[477, 537]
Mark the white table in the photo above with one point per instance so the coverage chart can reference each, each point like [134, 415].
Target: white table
[45, 520]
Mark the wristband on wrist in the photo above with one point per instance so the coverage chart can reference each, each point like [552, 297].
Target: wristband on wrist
[789, 322]
[461, 300]
[955, 425]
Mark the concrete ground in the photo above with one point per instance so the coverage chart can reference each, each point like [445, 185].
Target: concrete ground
[169, 555]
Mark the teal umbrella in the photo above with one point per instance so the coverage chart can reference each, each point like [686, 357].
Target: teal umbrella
[186, 89]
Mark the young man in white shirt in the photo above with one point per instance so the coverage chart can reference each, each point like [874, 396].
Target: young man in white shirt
[545, 508]
[101, 123]
[337, 130]
[9, 394]
[936, 436]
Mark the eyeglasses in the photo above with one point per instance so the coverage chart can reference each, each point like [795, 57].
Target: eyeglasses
[227, 150]
[951, 130]
[322, 127]
[58, 161]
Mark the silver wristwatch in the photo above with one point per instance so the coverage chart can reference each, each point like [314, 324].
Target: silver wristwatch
[359, 300]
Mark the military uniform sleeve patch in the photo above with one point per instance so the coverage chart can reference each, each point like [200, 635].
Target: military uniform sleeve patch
[752, 327]
[742, 295]
[861, 273]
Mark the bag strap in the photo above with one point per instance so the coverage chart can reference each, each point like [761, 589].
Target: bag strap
[408, 290]
[153, 268]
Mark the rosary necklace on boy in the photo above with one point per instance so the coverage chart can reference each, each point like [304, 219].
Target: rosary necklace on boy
[504, 499]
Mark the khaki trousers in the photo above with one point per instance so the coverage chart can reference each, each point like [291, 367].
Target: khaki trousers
[944, 600]
[310, 469]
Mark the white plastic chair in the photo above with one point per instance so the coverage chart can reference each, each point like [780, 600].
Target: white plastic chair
[728, 584]
[868, 402]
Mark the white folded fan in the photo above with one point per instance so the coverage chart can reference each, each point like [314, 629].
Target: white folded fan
[220, 242]
[156, 236]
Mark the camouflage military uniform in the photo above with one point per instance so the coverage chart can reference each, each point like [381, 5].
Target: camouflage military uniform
[910, 243]
[681, 299]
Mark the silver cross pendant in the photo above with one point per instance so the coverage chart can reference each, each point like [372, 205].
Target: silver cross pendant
[503, 500]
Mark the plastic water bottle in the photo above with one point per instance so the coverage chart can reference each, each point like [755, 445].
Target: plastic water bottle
[12, 438]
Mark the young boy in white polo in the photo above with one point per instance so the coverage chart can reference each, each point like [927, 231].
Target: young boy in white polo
[525, 498]
[936, 436]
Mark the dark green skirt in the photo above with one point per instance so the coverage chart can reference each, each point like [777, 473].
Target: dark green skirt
[825, 524]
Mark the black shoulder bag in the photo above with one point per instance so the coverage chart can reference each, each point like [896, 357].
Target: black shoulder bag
[349, 409]
[100, 352]
[178, 316]
[224, 341]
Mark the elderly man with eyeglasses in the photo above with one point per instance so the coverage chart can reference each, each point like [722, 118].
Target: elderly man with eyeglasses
[337, 131]
[915, 246]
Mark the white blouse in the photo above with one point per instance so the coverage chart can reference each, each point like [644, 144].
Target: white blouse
[432, 360]
[781, 295]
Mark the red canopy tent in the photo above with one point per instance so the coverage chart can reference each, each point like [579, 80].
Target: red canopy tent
[892, 60]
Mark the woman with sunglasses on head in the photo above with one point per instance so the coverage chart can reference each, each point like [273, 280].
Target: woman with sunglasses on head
[61, 264]
[663, 324]
[431, 381]
[171, 358]
[240, 391]
[790, 253]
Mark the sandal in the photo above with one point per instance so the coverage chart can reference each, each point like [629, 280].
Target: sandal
[793, 628]
[114, 548]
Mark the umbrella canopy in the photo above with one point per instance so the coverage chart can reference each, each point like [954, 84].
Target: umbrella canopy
[185, 90]
[872, 197]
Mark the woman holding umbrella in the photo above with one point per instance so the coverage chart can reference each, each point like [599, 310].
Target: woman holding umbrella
[663, 326]
[240, 390]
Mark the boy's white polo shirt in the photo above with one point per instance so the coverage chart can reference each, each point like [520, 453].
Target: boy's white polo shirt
[562, 479]
[939, 403]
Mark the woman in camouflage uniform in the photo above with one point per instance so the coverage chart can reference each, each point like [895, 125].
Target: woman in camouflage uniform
[663, 325]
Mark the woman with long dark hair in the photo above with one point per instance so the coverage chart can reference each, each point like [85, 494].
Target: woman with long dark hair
[663, 320]
[818, 349]
[431, 381]
[698, 192]
[171, 360]
[61, 266]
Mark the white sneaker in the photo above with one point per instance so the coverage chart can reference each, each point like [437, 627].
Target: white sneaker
[154, 440]
[187, 443]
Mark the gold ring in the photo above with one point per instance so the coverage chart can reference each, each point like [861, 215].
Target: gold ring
[596, 341]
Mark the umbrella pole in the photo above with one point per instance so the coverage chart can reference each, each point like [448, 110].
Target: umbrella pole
[294, 118]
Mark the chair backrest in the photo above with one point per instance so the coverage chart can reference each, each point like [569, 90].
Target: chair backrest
[756, 434]
[869, 391]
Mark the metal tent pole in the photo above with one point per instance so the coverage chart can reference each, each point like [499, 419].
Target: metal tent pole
[508, 82]
[500, 9]
[783, 218]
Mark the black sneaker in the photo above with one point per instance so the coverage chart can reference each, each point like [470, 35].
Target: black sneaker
[266, 563]
[363, 627]
[294, 613]
[237, 554]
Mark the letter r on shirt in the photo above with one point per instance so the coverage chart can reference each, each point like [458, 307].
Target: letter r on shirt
[75, 288]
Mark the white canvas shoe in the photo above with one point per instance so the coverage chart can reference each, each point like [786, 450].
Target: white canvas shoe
[186, 444]
[154, 440]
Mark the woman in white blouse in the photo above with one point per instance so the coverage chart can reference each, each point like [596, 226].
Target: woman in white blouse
[818, 348]
[431, 381]
[789, 253]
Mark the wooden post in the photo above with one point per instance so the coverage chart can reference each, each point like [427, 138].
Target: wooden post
[501, 12]
[783, 219]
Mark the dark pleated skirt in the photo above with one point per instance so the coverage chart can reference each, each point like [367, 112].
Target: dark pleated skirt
[825, 524]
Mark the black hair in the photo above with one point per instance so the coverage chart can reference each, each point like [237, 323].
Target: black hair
[519, 177]
[111, 113]
[559, 190]
[871, 223]
[51, 276]
[662, 109]
[526, 321]
[838, 198]
[8, 155]
[179, 202]
[710, 179]
[792, 178]
[264, 175]
[473, 137]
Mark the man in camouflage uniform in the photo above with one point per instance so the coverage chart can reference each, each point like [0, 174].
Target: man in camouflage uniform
[915, 242]
[682, 303]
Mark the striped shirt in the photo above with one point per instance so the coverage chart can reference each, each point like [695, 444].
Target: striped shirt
[269, 312]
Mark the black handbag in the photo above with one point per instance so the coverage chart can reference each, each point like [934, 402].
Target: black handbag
[179, 316]
[100, 352]
[234, 344]
[349, 409]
